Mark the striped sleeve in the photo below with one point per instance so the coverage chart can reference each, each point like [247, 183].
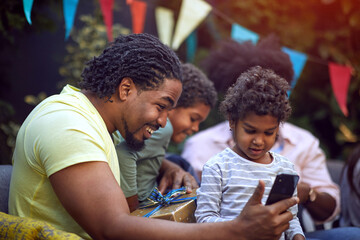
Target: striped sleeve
[209, 196]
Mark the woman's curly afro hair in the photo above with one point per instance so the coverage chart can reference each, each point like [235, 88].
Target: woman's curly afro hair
[260, 91]
[141, 57]
[229, 59]
[197, 88]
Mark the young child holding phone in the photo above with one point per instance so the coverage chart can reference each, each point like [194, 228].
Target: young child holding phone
[255, 106]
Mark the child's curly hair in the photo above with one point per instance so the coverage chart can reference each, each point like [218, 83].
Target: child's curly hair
[197, 88]
[260, 91]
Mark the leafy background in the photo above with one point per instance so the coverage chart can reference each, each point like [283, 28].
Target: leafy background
[36, 61]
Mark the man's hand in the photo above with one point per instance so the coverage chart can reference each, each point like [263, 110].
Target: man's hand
[321, 208]
[173, 176]
[303, 190]
[269, 222]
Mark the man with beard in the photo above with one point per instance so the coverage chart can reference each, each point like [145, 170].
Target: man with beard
[142, 171]
[65, 167]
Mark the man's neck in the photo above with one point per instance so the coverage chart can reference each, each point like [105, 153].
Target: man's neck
[102, 105]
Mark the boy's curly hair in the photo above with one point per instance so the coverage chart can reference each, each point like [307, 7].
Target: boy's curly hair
[141, 57]
[260, 91]
[197, 88]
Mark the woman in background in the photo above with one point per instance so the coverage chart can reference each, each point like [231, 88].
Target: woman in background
[350, 190]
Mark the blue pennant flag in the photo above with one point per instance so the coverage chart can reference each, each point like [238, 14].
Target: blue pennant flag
[69, 9]
[191, 43]
[241, 34]
[298, 61]
[27, 9]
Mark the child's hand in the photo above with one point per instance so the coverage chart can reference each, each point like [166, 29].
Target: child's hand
[271, 221]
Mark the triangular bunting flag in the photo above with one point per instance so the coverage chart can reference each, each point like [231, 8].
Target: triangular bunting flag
[340, 80]
[191, 43]
[69, 8]
[241, 34]
[27, 9]
[138, 12]
[165, 24]
[192, 12]
[298, 61]
[107, 12]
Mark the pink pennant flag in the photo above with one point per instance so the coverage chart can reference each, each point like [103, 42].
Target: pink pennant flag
[138, 12]
[340, 79]
[107, 12]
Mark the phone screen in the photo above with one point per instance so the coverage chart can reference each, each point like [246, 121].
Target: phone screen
[283, 187]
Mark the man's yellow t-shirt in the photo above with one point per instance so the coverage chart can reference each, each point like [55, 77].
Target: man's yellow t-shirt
[63, 130]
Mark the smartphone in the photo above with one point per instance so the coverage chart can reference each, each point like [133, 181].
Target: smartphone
[283, 187]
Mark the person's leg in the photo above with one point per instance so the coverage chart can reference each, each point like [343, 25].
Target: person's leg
[344, 233]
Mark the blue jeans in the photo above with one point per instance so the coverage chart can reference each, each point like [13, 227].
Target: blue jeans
[341, 233]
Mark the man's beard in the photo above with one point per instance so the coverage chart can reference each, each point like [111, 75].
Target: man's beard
[132, 143]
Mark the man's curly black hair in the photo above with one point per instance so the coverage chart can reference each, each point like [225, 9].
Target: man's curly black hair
[141, 57]
[260, 91]
[197, 88]
[229, 59]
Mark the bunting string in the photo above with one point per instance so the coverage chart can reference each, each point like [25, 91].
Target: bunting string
[340, 75]
[192, 13]
[232, 21]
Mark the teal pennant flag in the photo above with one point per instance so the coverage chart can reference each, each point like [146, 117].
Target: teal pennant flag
[191, 43]
[27, 9]
[241, 34]
[298, 61]
[69, 9]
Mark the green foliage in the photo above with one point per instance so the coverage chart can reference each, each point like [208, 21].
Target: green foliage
[328, 31]
[13, 18]
[8, 132]
[35, 100]
[88, 41]
[13, 23]
[9, 128]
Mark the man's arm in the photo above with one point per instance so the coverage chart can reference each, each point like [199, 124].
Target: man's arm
[315, 175]
[321, 206]
[173, 176]
[91, 195]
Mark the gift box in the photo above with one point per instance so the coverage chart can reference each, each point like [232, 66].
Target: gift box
[178, 212]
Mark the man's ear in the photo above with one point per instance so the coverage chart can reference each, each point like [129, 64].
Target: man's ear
[126, 87]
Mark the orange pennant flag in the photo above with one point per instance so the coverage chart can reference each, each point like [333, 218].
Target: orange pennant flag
[340, 79]
[138, 12]
[107, 12]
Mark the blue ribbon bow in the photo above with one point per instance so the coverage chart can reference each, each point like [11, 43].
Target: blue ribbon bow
[158, 200]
